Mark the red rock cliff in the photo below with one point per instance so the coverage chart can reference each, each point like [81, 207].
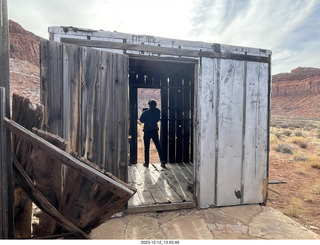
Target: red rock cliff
[24, 45]
[296, 94]
[24, 62]
[301, 81]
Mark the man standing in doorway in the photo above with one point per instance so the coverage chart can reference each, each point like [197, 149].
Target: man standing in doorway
[150, 118]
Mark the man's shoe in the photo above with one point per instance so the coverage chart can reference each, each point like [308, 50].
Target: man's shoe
[163, 165]
[146, 165]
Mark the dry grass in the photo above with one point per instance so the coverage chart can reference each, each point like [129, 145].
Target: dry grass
[299, 157]
[273, 139]
[301, 133]
[295, 208]
[298, 140]
[314, 161]
[312, 194]
[284, 148]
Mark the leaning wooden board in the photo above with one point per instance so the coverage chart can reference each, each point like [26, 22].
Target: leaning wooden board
[97, 196]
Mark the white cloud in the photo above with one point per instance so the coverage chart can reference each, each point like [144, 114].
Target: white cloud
[282, 26]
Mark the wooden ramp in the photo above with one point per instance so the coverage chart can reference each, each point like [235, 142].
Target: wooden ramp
[161, 188]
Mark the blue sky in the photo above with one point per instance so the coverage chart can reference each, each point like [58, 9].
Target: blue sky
[289, 28]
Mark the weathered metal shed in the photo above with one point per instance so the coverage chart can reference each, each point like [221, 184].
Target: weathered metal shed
[215, 103]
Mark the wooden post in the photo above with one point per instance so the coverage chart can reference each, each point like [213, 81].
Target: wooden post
[6, 215]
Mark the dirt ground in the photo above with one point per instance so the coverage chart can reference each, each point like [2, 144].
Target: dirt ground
[299, 196]
[299, 184]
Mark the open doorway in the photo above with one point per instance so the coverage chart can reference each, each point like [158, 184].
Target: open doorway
[143, 96]
[171, 84]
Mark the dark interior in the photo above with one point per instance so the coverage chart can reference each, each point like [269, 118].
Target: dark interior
[176, 82]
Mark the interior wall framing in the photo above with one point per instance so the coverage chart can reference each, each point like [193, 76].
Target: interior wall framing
[176, 82]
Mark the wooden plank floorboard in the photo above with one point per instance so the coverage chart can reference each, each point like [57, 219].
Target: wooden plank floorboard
[185, 172]
[151, 184]
[189, 166]
[142, 190]
[158, 186]
[135, 200]
[181, 184]
[155, 171]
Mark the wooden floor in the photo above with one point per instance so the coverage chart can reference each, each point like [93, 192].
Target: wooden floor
[157, 186]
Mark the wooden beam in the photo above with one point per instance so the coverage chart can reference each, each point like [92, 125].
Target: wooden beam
[68, 160]
[156, 50]
[127, 46]
[160, 207]
[3, 170]
[6, 217]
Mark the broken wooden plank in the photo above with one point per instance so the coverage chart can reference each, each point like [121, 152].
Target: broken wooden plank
[86, 203]
[27, 115]
[65, 158]
[42, 202]
[47, 174]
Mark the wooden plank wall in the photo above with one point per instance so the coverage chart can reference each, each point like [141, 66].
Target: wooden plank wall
[234, 110]
[85, 93]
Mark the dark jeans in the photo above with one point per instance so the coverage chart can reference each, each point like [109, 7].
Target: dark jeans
[155, 137]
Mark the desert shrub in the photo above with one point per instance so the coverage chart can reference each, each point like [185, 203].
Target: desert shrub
[299, 134]
[299, 141]
[274, 124]
[300, 158]
[286, 133]
[284, 126]
[295, 208]
[278, 135]
[297, 125]
[316, 165]
[284, 148]
[314, 161]
[318, 135]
